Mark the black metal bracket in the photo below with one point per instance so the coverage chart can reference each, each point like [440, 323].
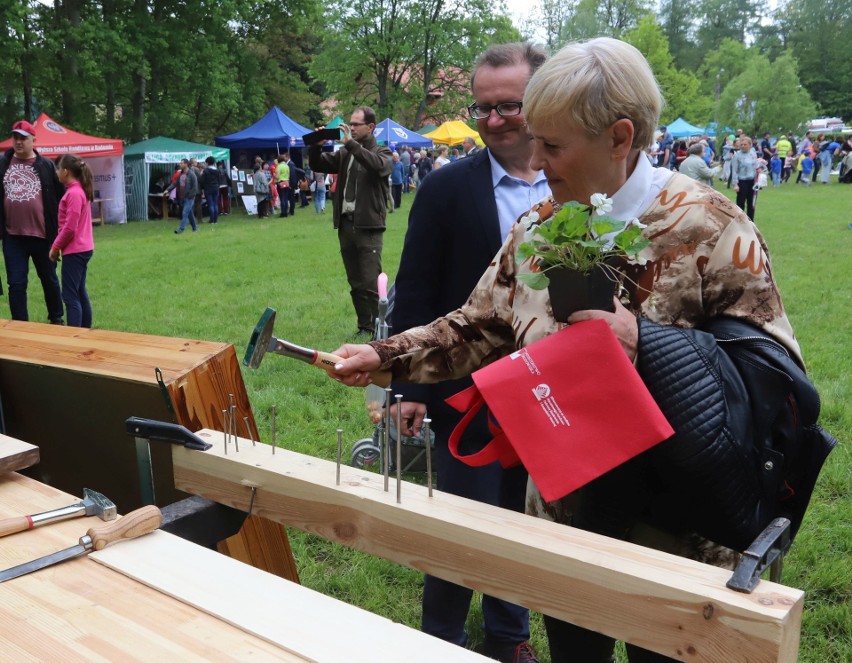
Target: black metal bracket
[151, 429]
[202, 521]
[768, 549]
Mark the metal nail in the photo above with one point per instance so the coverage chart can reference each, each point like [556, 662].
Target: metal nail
[386, 440]
[248, 430]
[225, 429]
[339, 452]
[251, 502]
[273, 430]
[398, 448]
[427, 438]
[234, 423]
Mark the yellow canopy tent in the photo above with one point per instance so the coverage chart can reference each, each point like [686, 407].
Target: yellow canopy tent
[453, 133]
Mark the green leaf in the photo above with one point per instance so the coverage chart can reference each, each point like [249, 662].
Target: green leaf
[535, 280]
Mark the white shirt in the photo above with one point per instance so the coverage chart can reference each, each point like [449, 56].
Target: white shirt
[639, 191]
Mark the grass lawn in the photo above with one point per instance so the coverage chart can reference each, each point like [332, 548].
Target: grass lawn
[214, 284]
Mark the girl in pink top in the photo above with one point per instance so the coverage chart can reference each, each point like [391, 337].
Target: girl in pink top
[75, 241]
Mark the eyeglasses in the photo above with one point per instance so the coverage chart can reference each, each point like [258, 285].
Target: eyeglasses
[506, 109]
[357, 124]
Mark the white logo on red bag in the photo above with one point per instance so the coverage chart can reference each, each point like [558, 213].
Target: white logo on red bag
[541, 392]
[528, 361]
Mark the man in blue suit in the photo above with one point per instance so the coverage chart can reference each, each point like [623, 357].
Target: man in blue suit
[457, 224]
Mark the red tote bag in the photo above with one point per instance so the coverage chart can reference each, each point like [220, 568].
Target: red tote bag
[570, 407]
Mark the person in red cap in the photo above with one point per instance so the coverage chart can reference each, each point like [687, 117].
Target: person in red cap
[29, 221]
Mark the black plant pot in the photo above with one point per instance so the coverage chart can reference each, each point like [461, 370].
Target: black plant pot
[571, 290]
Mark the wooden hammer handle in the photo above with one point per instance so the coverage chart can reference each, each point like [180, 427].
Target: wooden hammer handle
[136, 523]
[16, 524]
[327, 360]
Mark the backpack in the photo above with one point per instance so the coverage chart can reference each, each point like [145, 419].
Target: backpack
[791, 447]
[747, 448]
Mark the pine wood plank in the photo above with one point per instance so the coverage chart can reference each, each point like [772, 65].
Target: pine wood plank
[83, 611]
[16, 454]
[666, 603]
[295, 618]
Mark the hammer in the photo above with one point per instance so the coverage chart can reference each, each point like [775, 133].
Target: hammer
[92, 504]
[262, 341]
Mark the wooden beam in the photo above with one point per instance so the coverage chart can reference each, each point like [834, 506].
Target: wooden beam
[669, 604]
[16, 455]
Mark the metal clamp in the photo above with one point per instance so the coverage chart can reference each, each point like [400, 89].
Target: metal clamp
[144, 430]
[767, 550]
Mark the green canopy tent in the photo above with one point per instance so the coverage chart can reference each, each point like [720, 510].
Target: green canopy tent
[336, 122]
[139, 159]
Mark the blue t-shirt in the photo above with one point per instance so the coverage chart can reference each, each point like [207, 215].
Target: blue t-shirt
[807, 166]
[775, 163]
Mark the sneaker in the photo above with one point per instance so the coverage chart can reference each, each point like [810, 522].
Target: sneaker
[178, 232]
[363, 334]
[519, 653]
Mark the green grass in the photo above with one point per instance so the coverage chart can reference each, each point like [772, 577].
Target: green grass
[214, 284]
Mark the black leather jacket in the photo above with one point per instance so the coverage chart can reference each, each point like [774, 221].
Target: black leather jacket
[746, 447]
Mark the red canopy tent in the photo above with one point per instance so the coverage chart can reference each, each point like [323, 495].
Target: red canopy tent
[104, 155]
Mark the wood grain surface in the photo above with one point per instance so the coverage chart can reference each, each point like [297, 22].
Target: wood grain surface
[82, 611]
[16, 455]
[171, 600]
[293, 617]
[662, 602]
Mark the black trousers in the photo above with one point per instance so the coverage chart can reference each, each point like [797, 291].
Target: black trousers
[745, 197]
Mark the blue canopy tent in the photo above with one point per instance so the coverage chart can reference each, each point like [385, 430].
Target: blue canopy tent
[680, 128]
[273, 130]
[711, 130]
[392, 133]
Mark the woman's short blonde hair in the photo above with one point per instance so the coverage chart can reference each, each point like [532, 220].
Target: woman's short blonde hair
[598, 82]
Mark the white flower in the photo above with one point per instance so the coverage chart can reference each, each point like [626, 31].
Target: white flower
[639, 260]
[531, 223]
[531, 219]
[601, 203]
[636, 222]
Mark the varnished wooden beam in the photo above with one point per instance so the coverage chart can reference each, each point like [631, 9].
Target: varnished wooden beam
[661, 602]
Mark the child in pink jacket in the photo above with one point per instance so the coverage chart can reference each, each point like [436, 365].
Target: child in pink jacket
[74, 241]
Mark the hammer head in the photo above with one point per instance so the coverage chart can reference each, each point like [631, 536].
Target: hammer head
[98, 505]
[260, 338]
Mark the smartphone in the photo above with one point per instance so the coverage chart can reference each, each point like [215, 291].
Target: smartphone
[321, 136]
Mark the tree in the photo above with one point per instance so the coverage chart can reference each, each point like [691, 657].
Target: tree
[766, 97]
[723, 65]
[817, 32]
[402, 56]
[680, 88]
[733, 19]
[677, 20]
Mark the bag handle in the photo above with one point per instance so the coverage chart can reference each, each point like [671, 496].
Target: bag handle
[470, 401]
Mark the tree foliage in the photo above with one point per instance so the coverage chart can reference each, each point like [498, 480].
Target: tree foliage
[766, 96]
[409, 59]
[818, 32]
[195, 69]
[680, 88]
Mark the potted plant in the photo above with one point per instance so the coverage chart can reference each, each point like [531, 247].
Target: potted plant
[576, 255]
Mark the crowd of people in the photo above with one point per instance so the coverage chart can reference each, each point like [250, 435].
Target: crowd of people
[748, 164]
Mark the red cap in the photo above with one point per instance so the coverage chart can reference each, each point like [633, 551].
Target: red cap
[24, 128]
